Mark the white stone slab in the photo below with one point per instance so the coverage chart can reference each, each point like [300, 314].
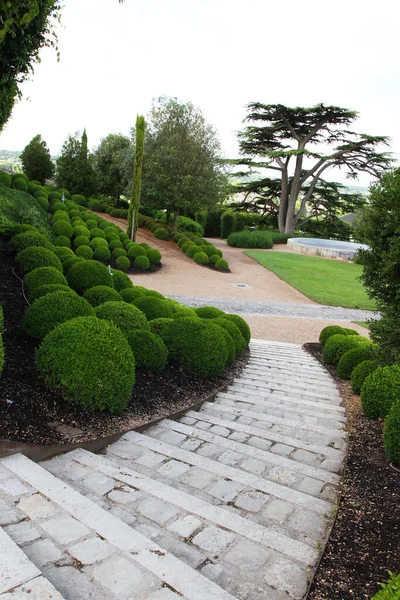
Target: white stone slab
[15, 567]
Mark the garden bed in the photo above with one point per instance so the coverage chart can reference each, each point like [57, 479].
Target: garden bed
[365, 541]
[39, 415]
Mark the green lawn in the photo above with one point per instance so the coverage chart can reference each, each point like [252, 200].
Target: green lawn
[330, 282]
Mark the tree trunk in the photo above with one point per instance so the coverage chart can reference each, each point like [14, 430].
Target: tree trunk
[168, 218]
[283, 204]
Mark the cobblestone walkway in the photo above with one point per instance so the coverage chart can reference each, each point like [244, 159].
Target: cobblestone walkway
[231, 501]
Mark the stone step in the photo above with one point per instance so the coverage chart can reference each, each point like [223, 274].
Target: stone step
[249, 384]
[252, 389]
[140, 565]
[275, 376]
[321, 403]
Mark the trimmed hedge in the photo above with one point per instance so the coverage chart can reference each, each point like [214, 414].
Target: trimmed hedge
[153, 307]
[101, 293]
[61, 227]
[230, 346]
[360, 373]
[62, 241]
[149, 350]
[121, 280]
[53, 309]
[87, 274]
[391, 436]
[160, 327]
[33, 257]
[154, 256]
[381, 389]
[123, 315]
[90, 362]
[161, 234]
[201, 258]
[222, 265]
[328, 332]
[133, 293]
[102, 253]
[234, 332]
[134, 250]
[250, 239]
[352, 358]
[338, 344]
[242, 325]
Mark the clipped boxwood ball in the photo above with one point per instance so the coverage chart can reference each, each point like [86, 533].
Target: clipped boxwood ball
[114, 244]
[43, 276]
[84, 252]
[328, 332]
[63, 251]
[222, 265]
[23, 228]
[209, 312]
[68, 261]
[61, 227]
[101, 293]
[201, 258]
[123, 263]
[34, 257]
[97, 233]
[22, 241]
[161, 234]
[53, 309]
[88, 273]
[81, 240]
[192, 250]
[81, 231]
[43, 202]
[124, 316]
[79, 199]
[102, 253]
[198, 345]
[142, 262]
[234, 332]
[64, 192]
[118, 252]
[380, 390]
[338, 344]
[91, 224]
[153, 307]
[350, 331]
[183, 311]
[62, 241]
[59, 206]
[360, 373]
[242, 325]
[134, 250]
[160, 327]
[391, 435]
[98, 242]
[352, 358]
[90, 362]
[214, 258]
[149, 350]
[132, 293]
[230, 346]
[121, 280]
[154, 256]
[20, 184]
[49, 288]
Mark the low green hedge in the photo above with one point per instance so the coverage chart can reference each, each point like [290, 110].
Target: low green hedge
[328, 332]
[87, 274]
[352, 358]
[209, 312]
[338, 344]
[123, 263]
[102, 253]
[62, 227]
[242, 325]
[33, 257]
[161, 234]
[62, 241]
[201, 258]
[360, 373]
[250, 239]
[142, 262]
[90, 362]
[85, 252]
[149, 350]
[222, 265]
[154, 256]
[380, 391]
[43, 276]
[234, 332]
[123, 315]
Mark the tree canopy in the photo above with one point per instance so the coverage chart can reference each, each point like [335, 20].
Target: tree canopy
[182, 169]
[74, 169]
[299, 145]
[36, 160]
[113, 162]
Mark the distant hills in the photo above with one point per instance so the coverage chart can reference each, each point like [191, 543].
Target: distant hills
[9, 160]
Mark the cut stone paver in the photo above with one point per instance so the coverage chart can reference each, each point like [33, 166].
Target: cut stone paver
[232, 500]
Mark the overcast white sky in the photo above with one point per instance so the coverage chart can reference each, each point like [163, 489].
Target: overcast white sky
[218, 54]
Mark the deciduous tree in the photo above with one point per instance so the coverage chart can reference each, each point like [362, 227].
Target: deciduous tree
[36, 160]
[110, 162]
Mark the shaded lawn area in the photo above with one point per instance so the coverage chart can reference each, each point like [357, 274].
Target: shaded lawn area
[326, 281]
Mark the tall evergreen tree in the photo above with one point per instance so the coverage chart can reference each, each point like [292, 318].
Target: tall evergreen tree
[36, 160]
[74, 166]
[113, 162]
[137, 178]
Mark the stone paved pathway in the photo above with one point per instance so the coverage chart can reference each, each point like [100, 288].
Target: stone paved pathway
[233, 500]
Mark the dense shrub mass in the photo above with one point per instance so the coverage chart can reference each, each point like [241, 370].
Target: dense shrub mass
[53, 309]
[391, 436]
[85, 252]
[133, 293]
[149, 350]
[90, 362]
[36, 256]
[242, 326]
[142, 262]
[154, 256]
[161, 234]
[209, 312]
[222, 265]
[102, 253]
[25, 240]
[43, 276]
[62, 227]
[380, 391]
[101, 293]
[234, 332]
[250, 239]
[352, 358]
[360, 373]
[153, 307]
[49, 288]
[338, 344]
[123, 263]
[121, 280]
[87, 274]
[123, 315]
[328, 332]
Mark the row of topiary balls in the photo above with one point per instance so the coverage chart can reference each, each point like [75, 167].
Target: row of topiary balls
[195, 247]
[378, 386]
[95, 327]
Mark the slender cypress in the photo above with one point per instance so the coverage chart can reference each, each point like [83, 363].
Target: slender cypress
[137, 178]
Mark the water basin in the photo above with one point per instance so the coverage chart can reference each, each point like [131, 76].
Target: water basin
[325, 248]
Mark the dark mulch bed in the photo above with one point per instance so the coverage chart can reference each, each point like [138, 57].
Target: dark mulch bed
[365, 540]
[39, 415]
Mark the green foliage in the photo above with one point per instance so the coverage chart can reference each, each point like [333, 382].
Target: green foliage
[22, 229]
[234, 332]
[153, 308]
[36, 160]
[242, 325]
[161, 234]
[62, 241]
[391, 590]
[352, 358]
[160, 327]
[121, 280]
[380, 390]
[133, 293]
[154, 256]
[81, 231]
[74, 168]
[123, 263]
[48, 288]
[35, 256]
[222, 265]
[391, 436]
[186, 224]
[250, 239]
[96, 205]
[79, 199]
[101, 293]
[209, 312]
[90, 362]
[53, 309]
[328, 332]
[84, 251]
[227, 224]
[123, 315]
[18, 207]
[149, 350]
[21, 241]
[201, 258]
[142, 262]
[113, 164]
[43, 276]
[87, 274]
[198, 345]
[102, 253]
[114, 244]
[19, 183]
[133, 213]
[338, 344]
[81, 240]
[118, 252]
[360, 373]
[5, 179]
[97, 233]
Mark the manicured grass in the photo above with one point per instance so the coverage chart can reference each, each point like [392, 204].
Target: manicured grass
[326, 281]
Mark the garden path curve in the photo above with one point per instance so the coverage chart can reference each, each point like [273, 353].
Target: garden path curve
[232, 500]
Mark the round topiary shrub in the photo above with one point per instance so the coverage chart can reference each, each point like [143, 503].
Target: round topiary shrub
[234, 332]
[154, 256]
[142, 262]
[222, 265]
[352, 358]
[96, 232]
[114, 244]
[360, 373]
[124, 316]
[338, 344]
[63, 251]
[183, 240]
[134, 250]
[230, 346]
[69, 261]
[91, 224]
[53, 309]
[19, 183]
[328, 332]
[64, 192]
[161, 234]
[153, 307]
[350, 331]
[155, 294]
[79, 199]
[118, 252]
[192, 250]
[81, 231]
[98, 242]
[391, 434]
[101, 293]
[121, 280]
[49, 288]
[61, 227]
[5, 179]
[34, 257]
[160, 327]
[85, 252]
[60, 215]
[380, 390]
[22, 241]
[54, 196]
[123, 263]
[81, 240]
[133, 293]
[59, 206]
[43, 276]
[90, 362]
[201, 258]
[24, 228]
[183, 311]
[148, 349]
[242, 325]
[214, 258]
[43, 202]
[62, 241]
[209, 312]
[198, 345]
[87, 274]
[102, 253]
